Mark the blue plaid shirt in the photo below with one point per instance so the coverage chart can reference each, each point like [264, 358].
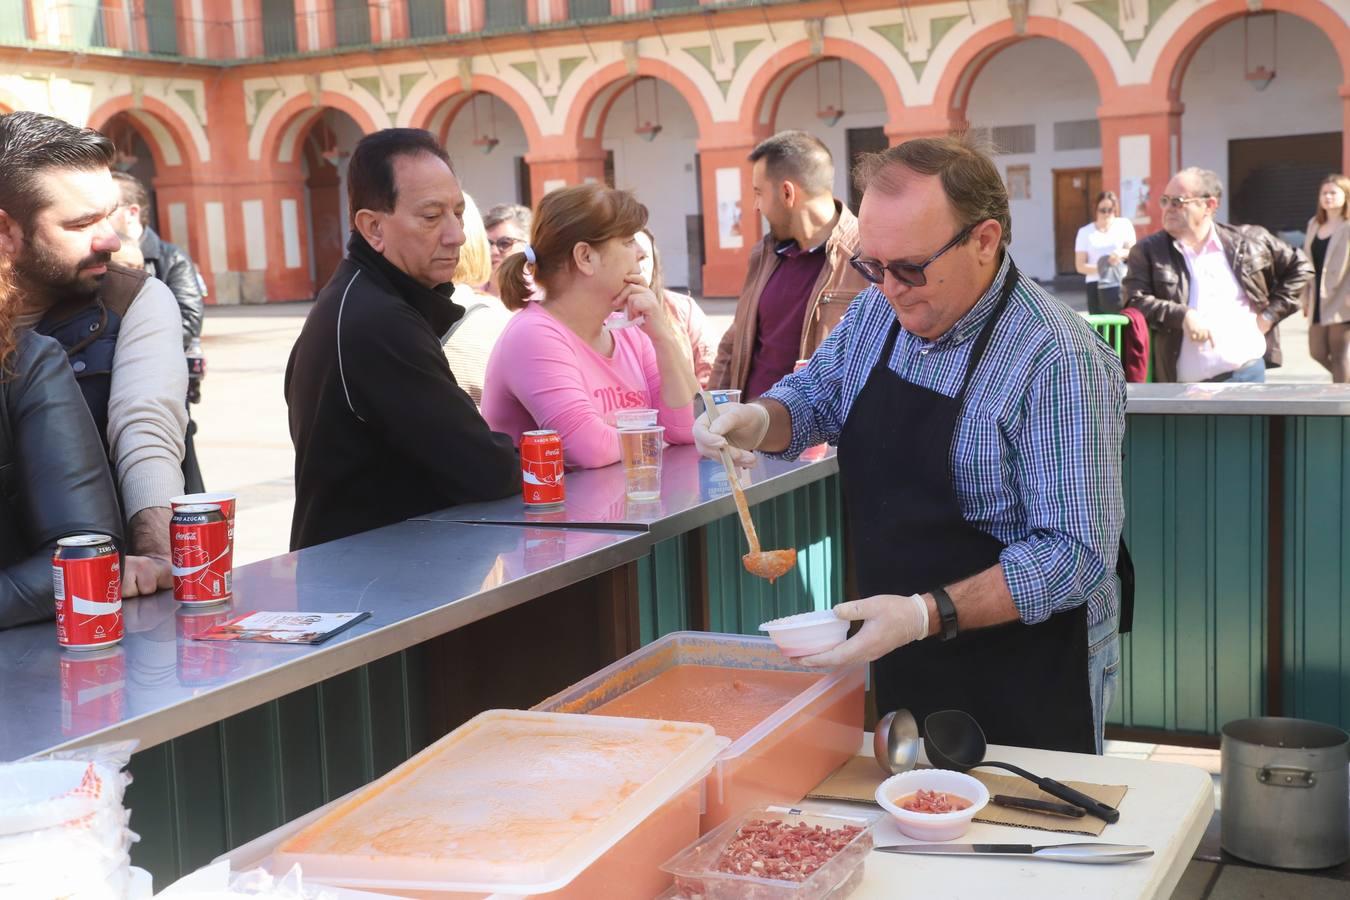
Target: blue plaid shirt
[1036, 461]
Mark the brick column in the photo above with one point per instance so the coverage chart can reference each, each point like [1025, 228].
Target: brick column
[1141, 149]
[925, 121]
[731, 225]
[400, 25]
[1345, 124]
[560, 163]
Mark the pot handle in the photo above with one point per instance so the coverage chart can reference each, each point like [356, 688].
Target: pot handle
[1286, 776]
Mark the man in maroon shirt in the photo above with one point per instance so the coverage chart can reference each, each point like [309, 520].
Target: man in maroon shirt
[799, 281]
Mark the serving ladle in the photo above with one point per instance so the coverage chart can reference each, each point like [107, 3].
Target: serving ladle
[895, 742]
[954, 740]
[770, 564]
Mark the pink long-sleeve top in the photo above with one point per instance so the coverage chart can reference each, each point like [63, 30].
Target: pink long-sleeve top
[543, 375]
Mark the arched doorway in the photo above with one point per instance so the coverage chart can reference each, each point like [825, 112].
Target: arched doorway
[1048, 143]
[326, 147]
[135, 158]
[838, 102]
[650, 139]
[487, 146]
[1283, 73]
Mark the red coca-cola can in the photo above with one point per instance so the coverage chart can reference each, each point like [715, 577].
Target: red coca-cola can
[87, 580]
[541, 463]
[799, 365]
[203, 561]
[93, 690]
[223, 499]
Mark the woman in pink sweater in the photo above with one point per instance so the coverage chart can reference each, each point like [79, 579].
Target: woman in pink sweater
[557, 364]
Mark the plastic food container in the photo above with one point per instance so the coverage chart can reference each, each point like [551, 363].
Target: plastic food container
[933, 826]
[779, 759]
[696, 874]
[807, 633]
[519, 803]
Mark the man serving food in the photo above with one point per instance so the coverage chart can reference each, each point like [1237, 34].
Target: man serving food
[979, 423]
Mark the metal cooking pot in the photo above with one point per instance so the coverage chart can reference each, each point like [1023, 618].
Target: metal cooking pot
[1286, 792]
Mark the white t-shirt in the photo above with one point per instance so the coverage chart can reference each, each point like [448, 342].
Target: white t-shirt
[1096, 243]
[1235, 337]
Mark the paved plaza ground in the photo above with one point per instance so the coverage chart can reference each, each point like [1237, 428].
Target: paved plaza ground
[245, 447]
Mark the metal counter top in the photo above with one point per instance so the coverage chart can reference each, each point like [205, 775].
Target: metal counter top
[1239, 399]
[694, 492]
[418, 579]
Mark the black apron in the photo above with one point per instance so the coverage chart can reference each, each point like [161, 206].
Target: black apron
[1027, 685]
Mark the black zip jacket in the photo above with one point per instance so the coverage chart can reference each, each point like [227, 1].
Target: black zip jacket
[171, 265]
[54, 476]
[382, 431]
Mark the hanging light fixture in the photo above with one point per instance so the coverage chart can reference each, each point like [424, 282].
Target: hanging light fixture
[483, 140]
[326, 138]
[831, 114]
[1260, 77]
[123, 136]
[647, 130]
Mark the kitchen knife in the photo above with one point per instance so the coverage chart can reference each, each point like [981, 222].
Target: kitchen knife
[1076, 853]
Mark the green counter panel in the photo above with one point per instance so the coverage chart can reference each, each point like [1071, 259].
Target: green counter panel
[810, 519]
[1316, 617]
[665, 579]
[218, 787]
[1196, 522]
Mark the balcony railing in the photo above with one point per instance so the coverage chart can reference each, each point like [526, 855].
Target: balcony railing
[152, 27]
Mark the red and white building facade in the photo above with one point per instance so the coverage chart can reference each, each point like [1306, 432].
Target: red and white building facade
[241, 113]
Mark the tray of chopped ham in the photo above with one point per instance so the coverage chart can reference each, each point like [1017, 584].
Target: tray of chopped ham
[774, 854]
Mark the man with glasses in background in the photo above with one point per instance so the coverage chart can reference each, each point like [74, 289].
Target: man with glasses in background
[1213, 294]
[979, 423]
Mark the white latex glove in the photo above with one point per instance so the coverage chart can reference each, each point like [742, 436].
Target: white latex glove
[739, 427]
[889, 621]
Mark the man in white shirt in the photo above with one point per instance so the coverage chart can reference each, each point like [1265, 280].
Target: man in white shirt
[121, 329]
[1213, 294]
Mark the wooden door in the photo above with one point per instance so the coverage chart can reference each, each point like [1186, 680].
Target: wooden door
[1076, 193]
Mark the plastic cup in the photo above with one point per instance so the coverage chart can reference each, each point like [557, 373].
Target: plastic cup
[634, 418]
[641, 450]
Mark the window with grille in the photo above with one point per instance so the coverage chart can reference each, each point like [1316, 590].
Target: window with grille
[13, 22]
[278, 23]
[1013, 138]
[426, 18]
[352, 18]
[674, 4]
[589, 9]
[1085, 134]
[161, 26]
[505, 13]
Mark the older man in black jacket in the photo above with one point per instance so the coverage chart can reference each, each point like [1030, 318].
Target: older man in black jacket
[1213, 294]
[382, 431]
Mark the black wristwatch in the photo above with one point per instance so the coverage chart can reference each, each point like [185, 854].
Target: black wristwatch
[946, 611]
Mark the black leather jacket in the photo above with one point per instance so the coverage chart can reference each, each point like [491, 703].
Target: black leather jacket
[1269, 271]
[54, 476]
[171, 265]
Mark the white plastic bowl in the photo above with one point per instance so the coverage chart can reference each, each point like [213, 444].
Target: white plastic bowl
[807, 633]
[933, 826]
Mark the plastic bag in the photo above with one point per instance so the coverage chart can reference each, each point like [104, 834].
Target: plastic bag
[63, 828]
[215, 882]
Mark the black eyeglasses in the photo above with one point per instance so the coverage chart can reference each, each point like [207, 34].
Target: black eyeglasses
[874, 270]
[1166, 200]
[505, 243]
